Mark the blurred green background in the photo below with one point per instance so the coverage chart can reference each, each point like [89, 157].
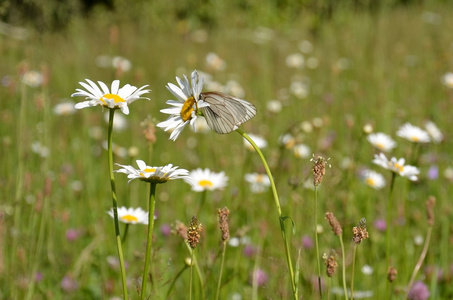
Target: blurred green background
[331, 66]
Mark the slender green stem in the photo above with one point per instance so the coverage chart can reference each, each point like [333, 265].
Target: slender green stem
[197, 268]
[280, 216]
[387, 233]
[343, 267]
[115, 206]
[126, 230]
[174, 281]
[420, 260]
[191, 276]
[221, 271]
[151, 206]
[316, 242]
[352, 274]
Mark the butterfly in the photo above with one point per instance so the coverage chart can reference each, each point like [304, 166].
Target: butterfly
[226, 113]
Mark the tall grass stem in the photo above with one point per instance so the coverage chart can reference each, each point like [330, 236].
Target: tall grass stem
[221, 270]
[279, 211]
[343, 267]
[316, 241]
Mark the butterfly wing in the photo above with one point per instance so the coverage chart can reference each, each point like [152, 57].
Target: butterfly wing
[226, 113]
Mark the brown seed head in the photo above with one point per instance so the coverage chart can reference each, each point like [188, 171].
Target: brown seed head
[430, 209]
[149, 130]
[223, 223]
[319, 169]
[194, 232]
[331, 263]
[360, 232]
[333, 222]
[391, 274]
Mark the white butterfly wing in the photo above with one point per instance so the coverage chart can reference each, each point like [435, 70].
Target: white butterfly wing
[226, 113]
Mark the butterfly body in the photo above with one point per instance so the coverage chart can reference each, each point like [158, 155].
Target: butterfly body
[226, 113]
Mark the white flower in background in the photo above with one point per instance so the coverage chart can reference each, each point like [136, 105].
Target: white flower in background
[299, 89]
[41, 150]
[184, 109]
[381, 141]
[121, 63]
[32, 78]
[295, 60]
[413, 133]
[434, 132]
[258, 182]
[152, 174]
[397, 166]
[373, 179]
[116, 149]
[367, 270]
[274, 106]
[119, 122]
[418, 240]
[131, 215]
[64, 108]
[205, 180]
[201, 126]
[258, 140]
[306, 46]
[287, 140]
[233, 88]
[447, 80]
[214, 62]
[114, 98]
[301, 151]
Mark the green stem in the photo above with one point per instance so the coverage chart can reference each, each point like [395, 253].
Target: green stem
[197, 268]
[126, 230]
[420, 260]
[352, 275]
[151, 206]
[343, 267]
[191, 276]
[174, 281]
[280, 216]
[387, 233]
[221, 271]
[316, 242]
[115, 206]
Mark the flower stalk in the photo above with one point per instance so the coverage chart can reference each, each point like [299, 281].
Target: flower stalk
[151, 207]
[115, 204]
[279, 211]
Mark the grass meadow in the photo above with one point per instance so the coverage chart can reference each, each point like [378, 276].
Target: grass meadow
[326, 87]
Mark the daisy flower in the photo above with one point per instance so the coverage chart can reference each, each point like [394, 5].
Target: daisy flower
[64, 108]
[202, 180]
[258, 182]
[381, 141]
[152, 174]
[434, 132]
[114, 98]
[287, 140]
[258, 140]
[447, 80]
[373, 179]
[301, 151]
[397, 166]
[413, 133]
[131, 215]
[184, 110]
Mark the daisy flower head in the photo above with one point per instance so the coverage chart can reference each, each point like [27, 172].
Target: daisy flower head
[204, 179]
[131, 215]
[301, 151]
[152, 174]
[258, 140]
[258, 182]
[413, 134]
[434, 132]
[373, 179]
[447, 79]
[287, 140]
[185, 108]
[113, 98]
[381, 141]
[397, 166]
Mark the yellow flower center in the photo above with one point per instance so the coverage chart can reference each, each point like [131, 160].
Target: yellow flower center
[129, 218]
[259, 178]
[380, 146]
[370, 181]
[414, 138]
[187, 109]
[147, 170]
[205, 183]
[399, 167]
[115, 98]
